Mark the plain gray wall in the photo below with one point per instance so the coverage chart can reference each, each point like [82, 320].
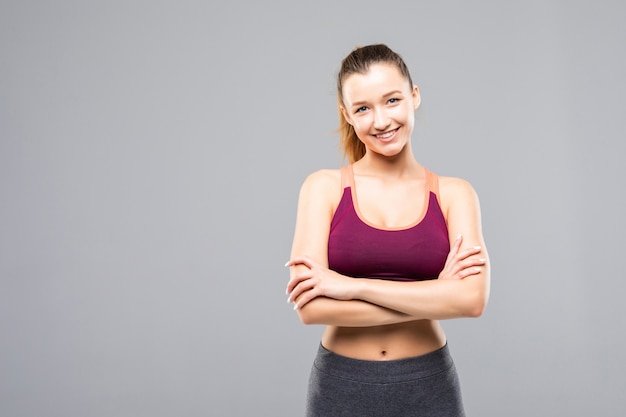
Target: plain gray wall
[150, 159]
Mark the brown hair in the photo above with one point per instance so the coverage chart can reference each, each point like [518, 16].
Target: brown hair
[358, 62]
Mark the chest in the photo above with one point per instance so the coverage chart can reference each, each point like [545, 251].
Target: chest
[358, 249]
[389, 205]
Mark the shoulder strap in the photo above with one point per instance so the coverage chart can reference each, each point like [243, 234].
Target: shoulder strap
[432, 182]
[346, 176]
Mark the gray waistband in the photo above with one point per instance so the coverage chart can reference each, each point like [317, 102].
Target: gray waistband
[383, 371]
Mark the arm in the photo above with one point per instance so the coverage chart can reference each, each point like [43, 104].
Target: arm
[318, 199]
[348, 313]
[462, 289]
[443, 298]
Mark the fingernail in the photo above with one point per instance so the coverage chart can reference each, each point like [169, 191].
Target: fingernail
[477, 247]
[483, 260]
[476, 269]
[287, 263]
[295, 306]
[459, 237]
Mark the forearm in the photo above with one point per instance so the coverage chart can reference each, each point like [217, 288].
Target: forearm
[350, 313]
[433, 299]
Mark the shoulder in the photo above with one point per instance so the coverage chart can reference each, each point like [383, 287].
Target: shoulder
[322, 181]
[323, 185]
[461, 209]
[324, 177]
[456, 191]
[454, 185]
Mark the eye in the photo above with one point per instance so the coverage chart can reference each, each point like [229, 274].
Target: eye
[360, 109]
[393, 100]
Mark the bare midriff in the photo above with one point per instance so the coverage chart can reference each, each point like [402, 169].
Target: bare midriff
[388, 342]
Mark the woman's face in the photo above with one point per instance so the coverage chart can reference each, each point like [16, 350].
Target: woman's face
[380, 105]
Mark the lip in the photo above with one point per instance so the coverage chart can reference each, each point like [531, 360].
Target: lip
[389, 138]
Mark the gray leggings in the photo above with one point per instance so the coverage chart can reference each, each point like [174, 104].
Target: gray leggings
[425, 385]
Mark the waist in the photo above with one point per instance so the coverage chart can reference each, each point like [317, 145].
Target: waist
[388, 342]
[389, 371]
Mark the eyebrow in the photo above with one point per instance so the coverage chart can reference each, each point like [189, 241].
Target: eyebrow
[391, 93]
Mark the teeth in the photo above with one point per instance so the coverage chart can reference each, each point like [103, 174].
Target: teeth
[386, 135]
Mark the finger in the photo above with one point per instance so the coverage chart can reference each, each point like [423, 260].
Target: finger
[301, 260]
[470, 262]
[291, 287]
[457, 272]
[453, 252]
[461, 267]
[467, 272]
[466, 253]
[300, 288]
[298, 278]
[304, 299]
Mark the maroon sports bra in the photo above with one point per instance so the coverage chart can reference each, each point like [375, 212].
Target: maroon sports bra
[361, 250]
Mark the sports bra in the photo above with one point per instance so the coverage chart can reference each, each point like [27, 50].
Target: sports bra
[361, 250]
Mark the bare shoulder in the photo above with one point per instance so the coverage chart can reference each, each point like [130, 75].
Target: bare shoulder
[324, 182]
[461, 209]
[454, 184]
[324, 177]
[319, 196]
[454, 190]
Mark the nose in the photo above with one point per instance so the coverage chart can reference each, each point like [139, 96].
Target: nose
[381, 119]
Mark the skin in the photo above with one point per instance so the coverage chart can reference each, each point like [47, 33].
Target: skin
[375, 319]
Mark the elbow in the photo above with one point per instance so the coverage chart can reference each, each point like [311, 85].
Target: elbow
[476, 298]
[307, 315]
[315, 311]
[477, 310]
[477, 305]
[306, 319]
[473, 302]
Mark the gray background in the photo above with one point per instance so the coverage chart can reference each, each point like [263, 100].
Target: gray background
[150, 159]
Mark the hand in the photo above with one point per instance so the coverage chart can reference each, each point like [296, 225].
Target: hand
[316, 281]
[461, 263]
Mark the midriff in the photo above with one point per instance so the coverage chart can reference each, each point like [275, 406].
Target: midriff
[388, 342]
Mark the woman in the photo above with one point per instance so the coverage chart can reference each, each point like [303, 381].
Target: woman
[382, 250]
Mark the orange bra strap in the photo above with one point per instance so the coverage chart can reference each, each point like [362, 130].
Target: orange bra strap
[346, 176]
[432, 182]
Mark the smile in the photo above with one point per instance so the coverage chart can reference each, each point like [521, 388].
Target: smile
[387, 135]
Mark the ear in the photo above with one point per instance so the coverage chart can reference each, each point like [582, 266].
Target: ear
[417, 98]
[345, 114]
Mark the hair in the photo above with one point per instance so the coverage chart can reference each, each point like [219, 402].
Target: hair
[359, 62]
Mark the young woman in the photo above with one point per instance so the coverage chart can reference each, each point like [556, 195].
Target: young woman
[383, 249]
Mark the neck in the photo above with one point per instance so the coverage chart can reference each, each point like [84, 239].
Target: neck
[400, 165]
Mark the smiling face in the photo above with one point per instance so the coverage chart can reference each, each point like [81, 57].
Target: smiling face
[380, 105]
